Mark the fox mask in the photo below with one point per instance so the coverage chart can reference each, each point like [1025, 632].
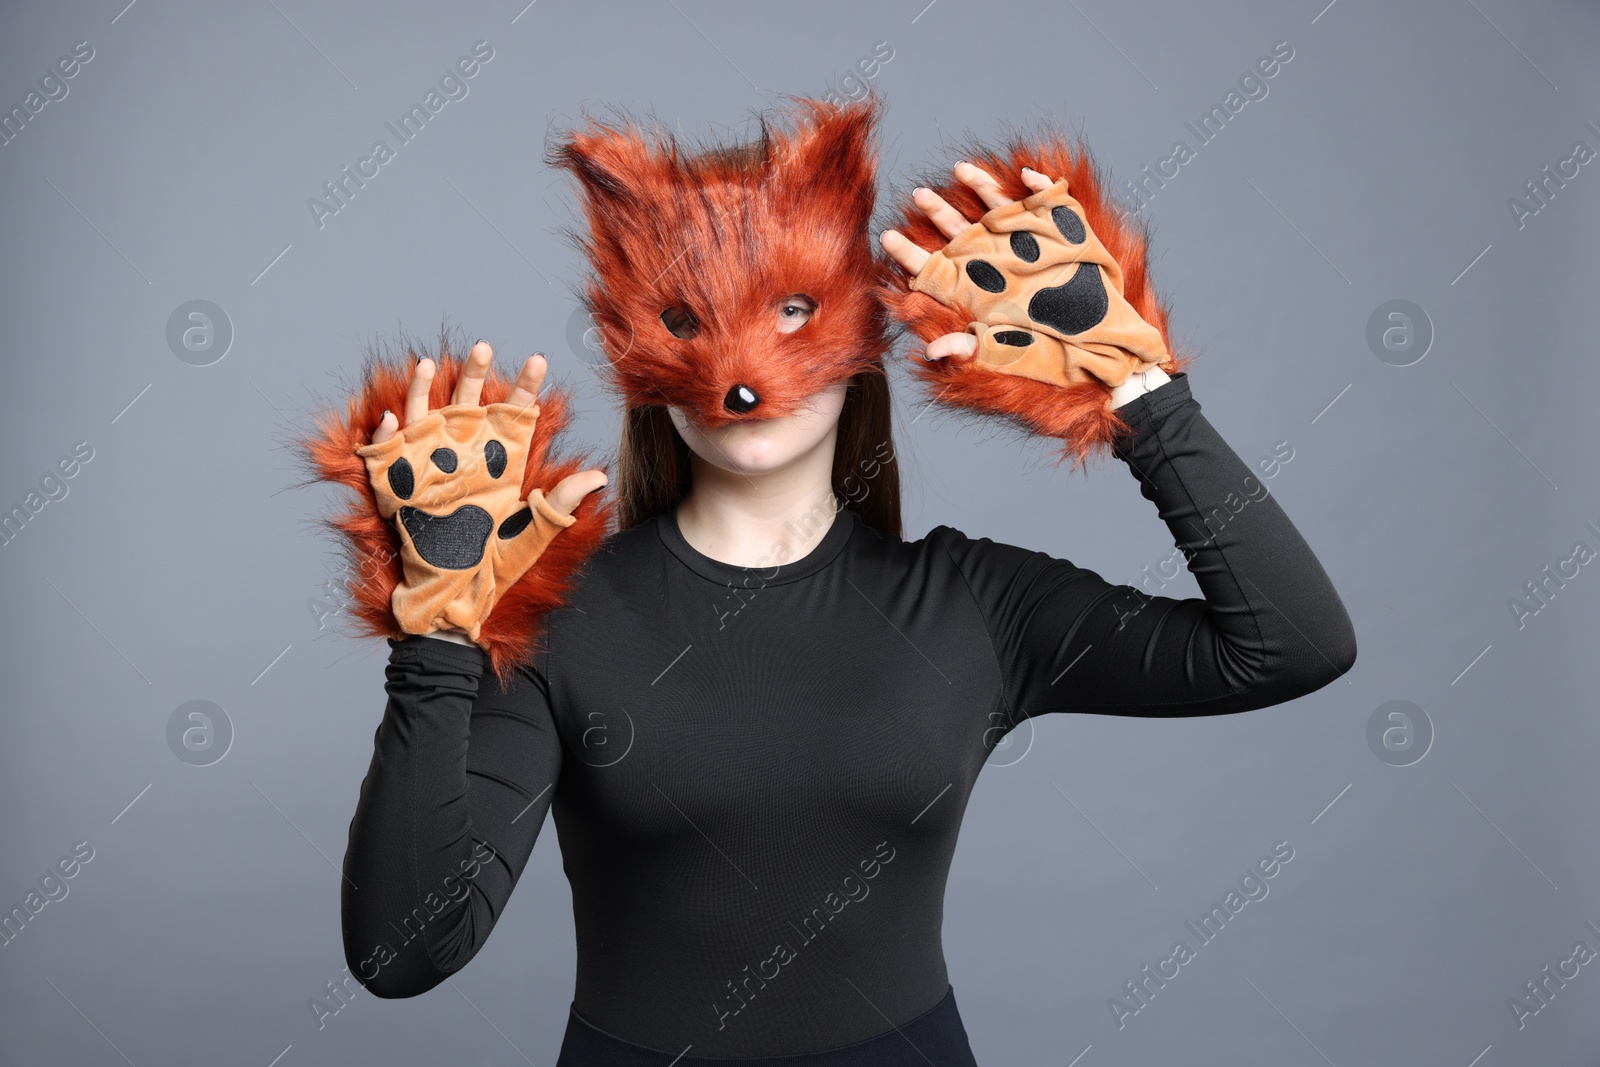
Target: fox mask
[694, 253]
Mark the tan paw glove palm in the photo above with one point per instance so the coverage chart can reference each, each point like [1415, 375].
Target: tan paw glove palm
[1043, 294]
[452, 483]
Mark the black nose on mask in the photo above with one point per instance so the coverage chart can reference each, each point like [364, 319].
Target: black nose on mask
[740, 399]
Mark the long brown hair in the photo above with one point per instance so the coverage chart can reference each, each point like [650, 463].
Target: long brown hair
[652, 469]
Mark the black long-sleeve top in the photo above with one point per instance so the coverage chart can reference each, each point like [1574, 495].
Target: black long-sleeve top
[758, 775]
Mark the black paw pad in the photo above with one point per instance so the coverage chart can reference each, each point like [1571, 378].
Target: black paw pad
[1024, 246]
[444, 459]
[1074, 307]
[1070, 225]
[515, 524]
[494, 456]
[986, 277]
[1014, 338]
[451, 542]
[402, 479]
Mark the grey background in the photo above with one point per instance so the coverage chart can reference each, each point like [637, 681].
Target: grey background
[180, 566]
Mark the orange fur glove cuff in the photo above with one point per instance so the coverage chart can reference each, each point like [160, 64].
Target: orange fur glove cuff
[451, 482]
[1044, 295]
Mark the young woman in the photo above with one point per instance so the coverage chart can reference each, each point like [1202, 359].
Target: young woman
[758, 713]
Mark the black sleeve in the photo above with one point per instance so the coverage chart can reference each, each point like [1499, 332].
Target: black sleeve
[443, 830]
[1269, 628]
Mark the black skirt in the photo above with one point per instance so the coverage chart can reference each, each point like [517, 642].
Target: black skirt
[936, 1038]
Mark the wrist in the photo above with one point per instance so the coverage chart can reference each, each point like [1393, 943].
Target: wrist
[454, 636]
[1137, 384]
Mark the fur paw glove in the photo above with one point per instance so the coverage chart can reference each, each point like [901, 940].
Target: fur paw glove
[1044, 296]
[386, 563]
[452, 484]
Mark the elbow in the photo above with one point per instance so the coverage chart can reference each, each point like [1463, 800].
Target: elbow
[391, 975]
[1345, 660]
[1306, 670]
[389, 984]
[1338, 650]
[1333, 658]
[1338, 664]
[387, 989]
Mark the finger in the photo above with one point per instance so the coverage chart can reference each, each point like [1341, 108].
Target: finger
[981, 182]
[1036, 181]
[952, 344]
[469, 386]
[417, 394]
[387, 426]
[904, 251]
[525, 390]
[949, 221]
[570, 491]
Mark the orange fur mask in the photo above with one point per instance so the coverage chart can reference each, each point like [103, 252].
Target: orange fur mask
[718, 239]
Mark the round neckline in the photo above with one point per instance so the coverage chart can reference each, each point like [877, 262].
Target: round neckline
[723, 573]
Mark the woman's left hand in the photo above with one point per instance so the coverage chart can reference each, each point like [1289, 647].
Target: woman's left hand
[1022, 323]
[951, 222]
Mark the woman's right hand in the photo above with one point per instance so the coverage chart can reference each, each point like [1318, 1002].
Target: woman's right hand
[462, 595]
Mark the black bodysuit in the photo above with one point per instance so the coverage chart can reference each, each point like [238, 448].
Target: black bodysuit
[758, 775]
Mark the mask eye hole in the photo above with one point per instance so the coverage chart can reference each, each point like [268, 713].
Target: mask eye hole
[795, 311]
[680, 322]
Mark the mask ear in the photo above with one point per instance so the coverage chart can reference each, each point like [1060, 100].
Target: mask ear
[614, 167]
[833, 160]
[629, 237]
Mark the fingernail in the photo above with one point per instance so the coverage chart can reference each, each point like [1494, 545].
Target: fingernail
[385, 415]
[1030, 170]
[479, 341]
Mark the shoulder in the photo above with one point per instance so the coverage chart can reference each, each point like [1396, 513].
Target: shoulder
[965, 550]
[981, 563]
[999, 573]
[868, 543]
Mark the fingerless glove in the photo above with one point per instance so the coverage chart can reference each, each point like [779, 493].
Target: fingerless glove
[1044, 295]
[451, 482]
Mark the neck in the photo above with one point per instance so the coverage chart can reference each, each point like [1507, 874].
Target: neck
[761, 518]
